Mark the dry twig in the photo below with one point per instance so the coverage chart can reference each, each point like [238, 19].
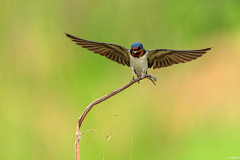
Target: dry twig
[81, 118]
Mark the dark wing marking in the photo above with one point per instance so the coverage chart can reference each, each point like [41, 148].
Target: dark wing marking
[165, 57]
[113, 52]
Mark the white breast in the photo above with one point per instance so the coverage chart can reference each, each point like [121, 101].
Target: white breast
[139, 64]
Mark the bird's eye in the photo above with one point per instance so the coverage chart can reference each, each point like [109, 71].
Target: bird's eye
[139, 48]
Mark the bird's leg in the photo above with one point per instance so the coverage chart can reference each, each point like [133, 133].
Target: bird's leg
[140, 76]
[142, 73]
[133, 73]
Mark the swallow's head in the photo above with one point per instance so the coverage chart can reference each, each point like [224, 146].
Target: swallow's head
[137, 46]
[137, 49]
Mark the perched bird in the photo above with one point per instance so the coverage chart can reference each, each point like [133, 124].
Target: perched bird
[137, 57]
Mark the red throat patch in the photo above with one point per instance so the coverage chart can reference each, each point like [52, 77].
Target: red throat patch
[138, 54]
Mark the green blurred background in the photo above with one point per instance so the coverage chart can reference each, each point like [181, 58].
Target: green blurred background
[46, 81]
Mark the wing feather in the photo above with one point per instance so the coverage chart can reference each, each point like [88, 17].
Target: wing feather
[116, 58]
[119, 59]
[179, 59]
[113, 52]
[184, 58]
[108, 55]
[166, 62]
[172, 59]
[155, 64]
[164, 57]
[160, 63]
[169, 61]
[123, 61]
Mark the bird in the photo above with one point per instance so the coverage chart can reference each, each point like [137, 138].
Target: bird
[137, 57]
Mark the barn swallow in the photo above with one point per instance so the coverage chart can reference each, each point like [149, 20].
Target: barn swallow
[137, 57]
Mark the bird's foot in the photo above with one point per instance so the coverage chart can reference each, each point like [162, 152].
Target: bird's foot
[141, 75]
[133, 78]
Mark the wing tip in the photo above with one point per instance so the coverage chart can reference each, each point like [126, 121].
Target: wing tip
[69, 35]
[66, 33]
[207, 49]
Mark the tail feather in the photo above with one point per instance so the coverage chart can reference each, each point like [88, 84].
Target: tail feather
[152, 81]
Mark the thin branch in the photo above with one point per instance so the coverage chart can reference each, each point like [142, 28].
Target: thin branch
[81, 118]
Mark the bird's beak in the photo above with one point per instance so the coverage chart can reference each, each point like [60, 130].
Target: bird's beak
[134, 52]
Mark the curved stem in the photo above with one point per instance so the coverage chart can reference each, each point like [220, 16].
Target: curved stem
[81, 118]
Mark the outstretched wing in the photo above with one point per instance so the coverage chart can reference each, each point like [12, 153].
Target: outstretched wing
[113, 52]
[165, 57]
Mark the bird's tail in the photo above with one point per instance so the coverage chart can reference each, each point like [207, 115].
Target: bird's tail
[150, 80]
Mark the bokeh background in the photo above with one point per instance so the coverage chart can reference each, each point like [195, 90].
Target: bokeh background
[46, 81]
